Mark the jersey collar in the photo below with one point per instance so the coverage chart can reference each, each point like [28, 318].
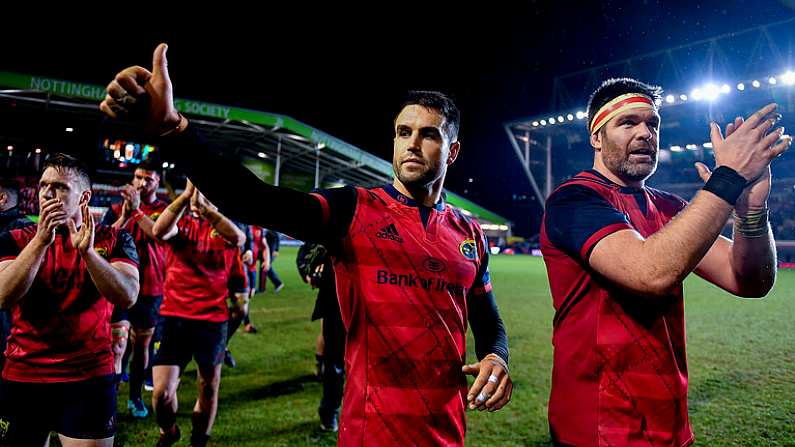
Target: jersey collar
[11, 212]
[623, 189]
[406, 200]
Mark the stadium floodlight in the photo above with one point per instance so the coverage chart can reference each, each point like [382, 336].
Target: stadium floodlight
[171, 166]
[691, 147]
[10, 148]
[676, 149]
[165, 165]
[38, 150]
[711, 92]
[70, 129]
[296, 137]
[707, 145]
[261, 155]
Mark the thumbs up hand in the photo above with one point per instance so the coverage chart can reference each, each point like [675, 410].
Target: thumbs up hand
[144, 95]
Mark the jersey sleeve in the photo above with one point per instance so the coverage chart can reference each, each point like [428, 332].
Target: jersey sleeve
[9, 248]
[577, 217]
[488, 328]
[124, 250]
[338, 205]
[482, 282]
[202, 160]
[237, 275]
[110, 216]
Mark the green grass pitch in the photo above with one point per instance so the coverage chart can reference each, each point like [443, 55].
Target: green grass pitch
[741, 357]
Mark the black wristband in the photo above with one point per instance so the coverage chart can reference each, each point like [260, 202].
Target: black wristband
[726, 183]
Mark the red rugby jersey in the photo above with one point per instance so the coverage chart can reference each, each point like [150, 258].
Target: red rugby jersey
[151, 253]
[61, 327]
[402, 289]
[619, 373]
[199, 262]
[256, 246]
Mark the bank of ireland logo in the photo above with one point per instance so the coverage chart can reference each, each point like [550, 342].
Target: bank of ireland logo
[214, 233]
[468, 249]
[154, 215]
[102, 251]
[434, 265]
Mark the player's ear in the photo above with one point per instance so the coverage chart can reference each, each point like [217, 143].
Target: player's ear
[453, 154]
[596, 140]
[85, 197]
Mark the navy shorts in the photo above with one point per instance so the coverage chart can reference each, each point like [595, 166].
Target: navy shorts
[145, 312]
[84, 409]
[183, 339]
[119, 314]
[252, 279]
[142, 315]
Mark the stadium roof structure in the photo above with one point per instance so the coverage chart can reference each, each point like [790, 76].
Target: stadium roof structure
[256, 138]
[714, 79]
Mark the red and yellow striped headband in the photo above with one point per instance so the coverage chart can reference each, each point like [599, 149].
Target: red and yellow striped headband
[618, 105]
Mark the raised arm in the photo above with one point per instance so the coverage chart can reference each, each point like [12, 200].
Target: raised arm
[166, 225]
[656, 265]
[17, 274]
[150, 95]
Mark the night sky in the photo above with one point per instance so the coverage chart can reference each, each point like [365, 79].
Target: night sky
[344, 71]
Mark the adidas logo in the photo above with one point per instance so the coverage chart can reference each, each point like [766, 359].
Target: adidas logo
[389, 232]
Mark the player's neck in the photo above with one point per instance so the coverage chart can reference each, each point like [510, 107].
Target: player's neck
[427, 195]
[599, 167]
[78, 220]
[149, 198]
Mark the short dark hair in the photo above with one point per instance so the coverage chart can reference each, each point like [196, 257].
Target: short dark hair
[147, 165]
[439, 102]
[63, 162]
[615, 87]
[10, 187]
